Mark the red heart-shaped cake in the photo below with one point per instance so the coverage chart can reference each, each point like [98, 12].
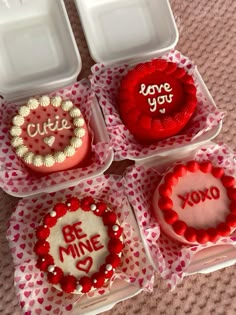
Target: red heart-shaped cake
[156, 100]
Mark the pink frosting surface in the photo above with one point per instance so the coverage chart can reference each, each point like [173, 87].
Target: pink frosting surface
[37, 132]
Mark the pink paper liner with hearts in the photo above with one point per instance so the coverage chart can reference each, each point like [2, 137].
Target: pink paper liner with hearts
[33, 290]
[170, 258]
[17, 180]
[105, 81]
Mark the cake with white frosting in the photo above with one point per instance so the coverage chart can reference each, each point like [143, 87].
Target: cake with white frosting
[79, 244]
[49, 134]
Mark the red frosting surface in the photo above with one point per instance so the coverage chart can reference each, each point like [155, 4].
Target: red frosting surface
[156, 100]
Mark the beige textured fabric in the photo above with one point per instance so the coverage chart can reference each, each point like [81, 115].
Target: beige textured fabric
[208, 36]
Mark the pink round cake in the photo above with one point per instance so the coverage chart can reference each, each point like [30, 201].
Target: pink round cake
[79, 244]
[50, 134]
[195, 203]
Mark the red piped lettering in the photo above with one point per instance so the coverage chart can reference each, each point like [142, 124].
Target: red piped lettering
[215, 192]
[69, 251]
[96, 242]
[195, 197]
[73, 232]
[185, 200]
[205, 194]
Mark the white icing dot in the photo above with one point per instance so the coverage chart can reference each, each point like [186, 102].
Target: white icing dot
[67, 105]
[21, 150]
[68, 204]
[16, 141]
[75, 112]
[28, 157]
[55, 273]
[53, 214]
[93, 207]
[51, 268]
[18, 120]
[80, 132]
[49, 160]
[45, 226]
[56, 101]
[33, 103]
[43, 259]
[79, 122]
[69, 151]
[106, 272]
[76, 142]
[94, 281]
[38, 160]
[44, 100]
[24, 111]
[115, 228]
[109, 267]
[79, 288]
[16, 131]
[59, 157]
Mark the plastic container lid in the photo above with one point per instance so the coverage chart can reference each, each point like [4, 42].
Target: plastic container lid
[124, 30]
[38, 52]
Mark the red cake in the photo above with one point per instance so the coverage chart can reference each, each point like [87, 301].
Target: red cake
[156, 100]
[79, 244]
[195, 203]
[50, 134]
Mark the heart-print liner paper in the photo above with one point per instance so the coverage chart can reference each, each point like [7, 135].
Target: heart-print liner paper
[35, 294]
[105, 81]
[170, 258]
[16, 179]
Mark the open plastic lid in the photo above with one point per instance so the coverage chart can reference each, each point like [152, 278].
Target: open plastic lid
[38, 52]
[124, 30]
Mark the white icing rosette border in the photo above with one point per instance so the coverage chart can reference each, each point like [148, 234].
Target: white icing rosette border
[32, 288]
[17, 180]
[171, 259]
[105, 81]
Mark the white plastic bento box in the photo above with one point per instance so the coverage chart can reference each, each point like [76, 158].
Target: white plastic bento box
[38, 52]
[118, 30]
[130, 31]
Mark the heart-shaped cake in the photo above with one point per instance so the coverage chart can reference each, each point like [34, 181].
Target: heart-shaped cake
[195, 203]
[50, 134]
[79, 244]
[156, 99]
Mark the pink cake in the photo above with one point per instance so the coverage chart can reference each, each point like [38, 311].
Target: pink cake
[79, 244]
[50, 134]
[195, 203]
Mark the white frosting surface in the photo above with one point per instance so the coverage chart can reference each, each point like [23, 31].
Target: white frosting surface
[88, 226]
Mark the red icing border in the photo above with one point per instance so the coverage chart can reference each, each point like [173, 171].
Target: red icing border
[143, 126]
[191, 234]
[45, 262]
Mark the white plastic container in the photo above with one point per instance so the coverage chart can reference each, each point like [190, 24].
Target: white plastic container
[121, 30]
[130, 31]
[120, 291]
[206, 260]
[38, 52]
